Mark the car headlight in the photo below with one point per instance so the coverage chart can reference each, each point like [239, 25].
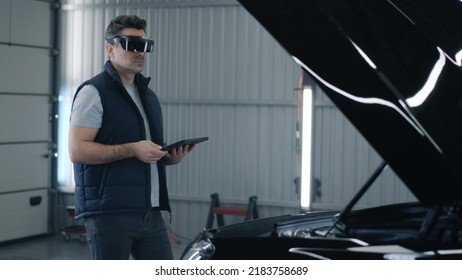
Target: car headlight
[201, 248]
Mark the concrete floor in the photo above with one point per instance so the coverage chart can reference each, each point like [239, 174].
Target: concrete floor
[56, 248]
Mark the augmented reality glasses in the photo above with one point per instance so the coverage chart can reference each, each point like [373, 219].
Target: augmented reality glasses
[133, 43]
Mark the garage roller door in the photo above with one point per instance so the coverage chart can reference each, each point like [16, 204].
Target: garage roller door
[26, 141]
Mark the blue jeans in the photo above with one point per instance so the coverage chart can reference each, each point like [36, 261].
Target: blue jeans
[116, 236]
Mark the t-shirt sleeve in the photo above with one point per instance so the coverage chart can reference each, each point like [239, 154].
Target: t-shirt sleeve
[87, 110]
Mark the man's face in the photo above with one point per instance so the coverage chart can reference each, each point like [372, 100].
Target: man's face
[127, 62]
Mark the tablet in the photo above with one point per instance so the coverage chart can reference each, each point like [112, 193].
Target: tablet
[180, 143]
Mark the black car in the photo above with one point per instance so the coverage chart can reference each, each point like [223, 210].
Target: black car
[393, 67]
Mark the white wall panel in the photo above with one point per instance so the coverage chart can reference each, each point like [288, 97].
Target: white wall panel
[24, 70]
[21, 219]
[5, 18]
[26, 167]
[30, 22]
[25, 118]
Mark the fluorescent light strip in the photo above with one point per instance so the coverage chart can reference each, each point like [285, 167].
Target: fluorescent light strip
[306, 177]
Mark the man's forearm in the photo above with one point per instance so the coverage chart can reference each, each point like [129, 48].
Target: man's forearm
[96, 153]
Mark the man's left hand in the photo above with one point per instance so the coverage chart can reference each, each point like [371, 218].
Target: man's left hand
[176, 155]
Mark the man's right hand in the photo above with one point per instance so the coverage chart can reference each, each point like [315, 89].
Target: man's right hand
[147, 151]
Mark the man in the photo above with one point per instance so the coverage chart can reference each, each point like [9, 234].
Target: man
[115, 144]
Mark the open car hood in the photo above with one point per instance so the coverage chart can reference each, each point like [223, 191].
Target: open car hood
[394, 69]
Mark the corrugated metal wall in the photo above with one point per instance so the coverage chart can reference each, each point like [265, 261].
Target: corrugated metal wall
[219, 74]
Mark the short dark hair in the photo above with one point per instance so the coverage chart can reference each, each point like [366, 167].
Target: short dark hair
[124, 21]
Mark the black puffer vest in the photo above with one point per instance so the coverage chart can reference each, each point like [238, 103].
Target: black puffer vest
[125, 185]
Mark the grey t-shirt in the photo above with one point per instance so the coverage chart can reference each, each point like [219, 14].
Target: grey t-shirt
[87, 111]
